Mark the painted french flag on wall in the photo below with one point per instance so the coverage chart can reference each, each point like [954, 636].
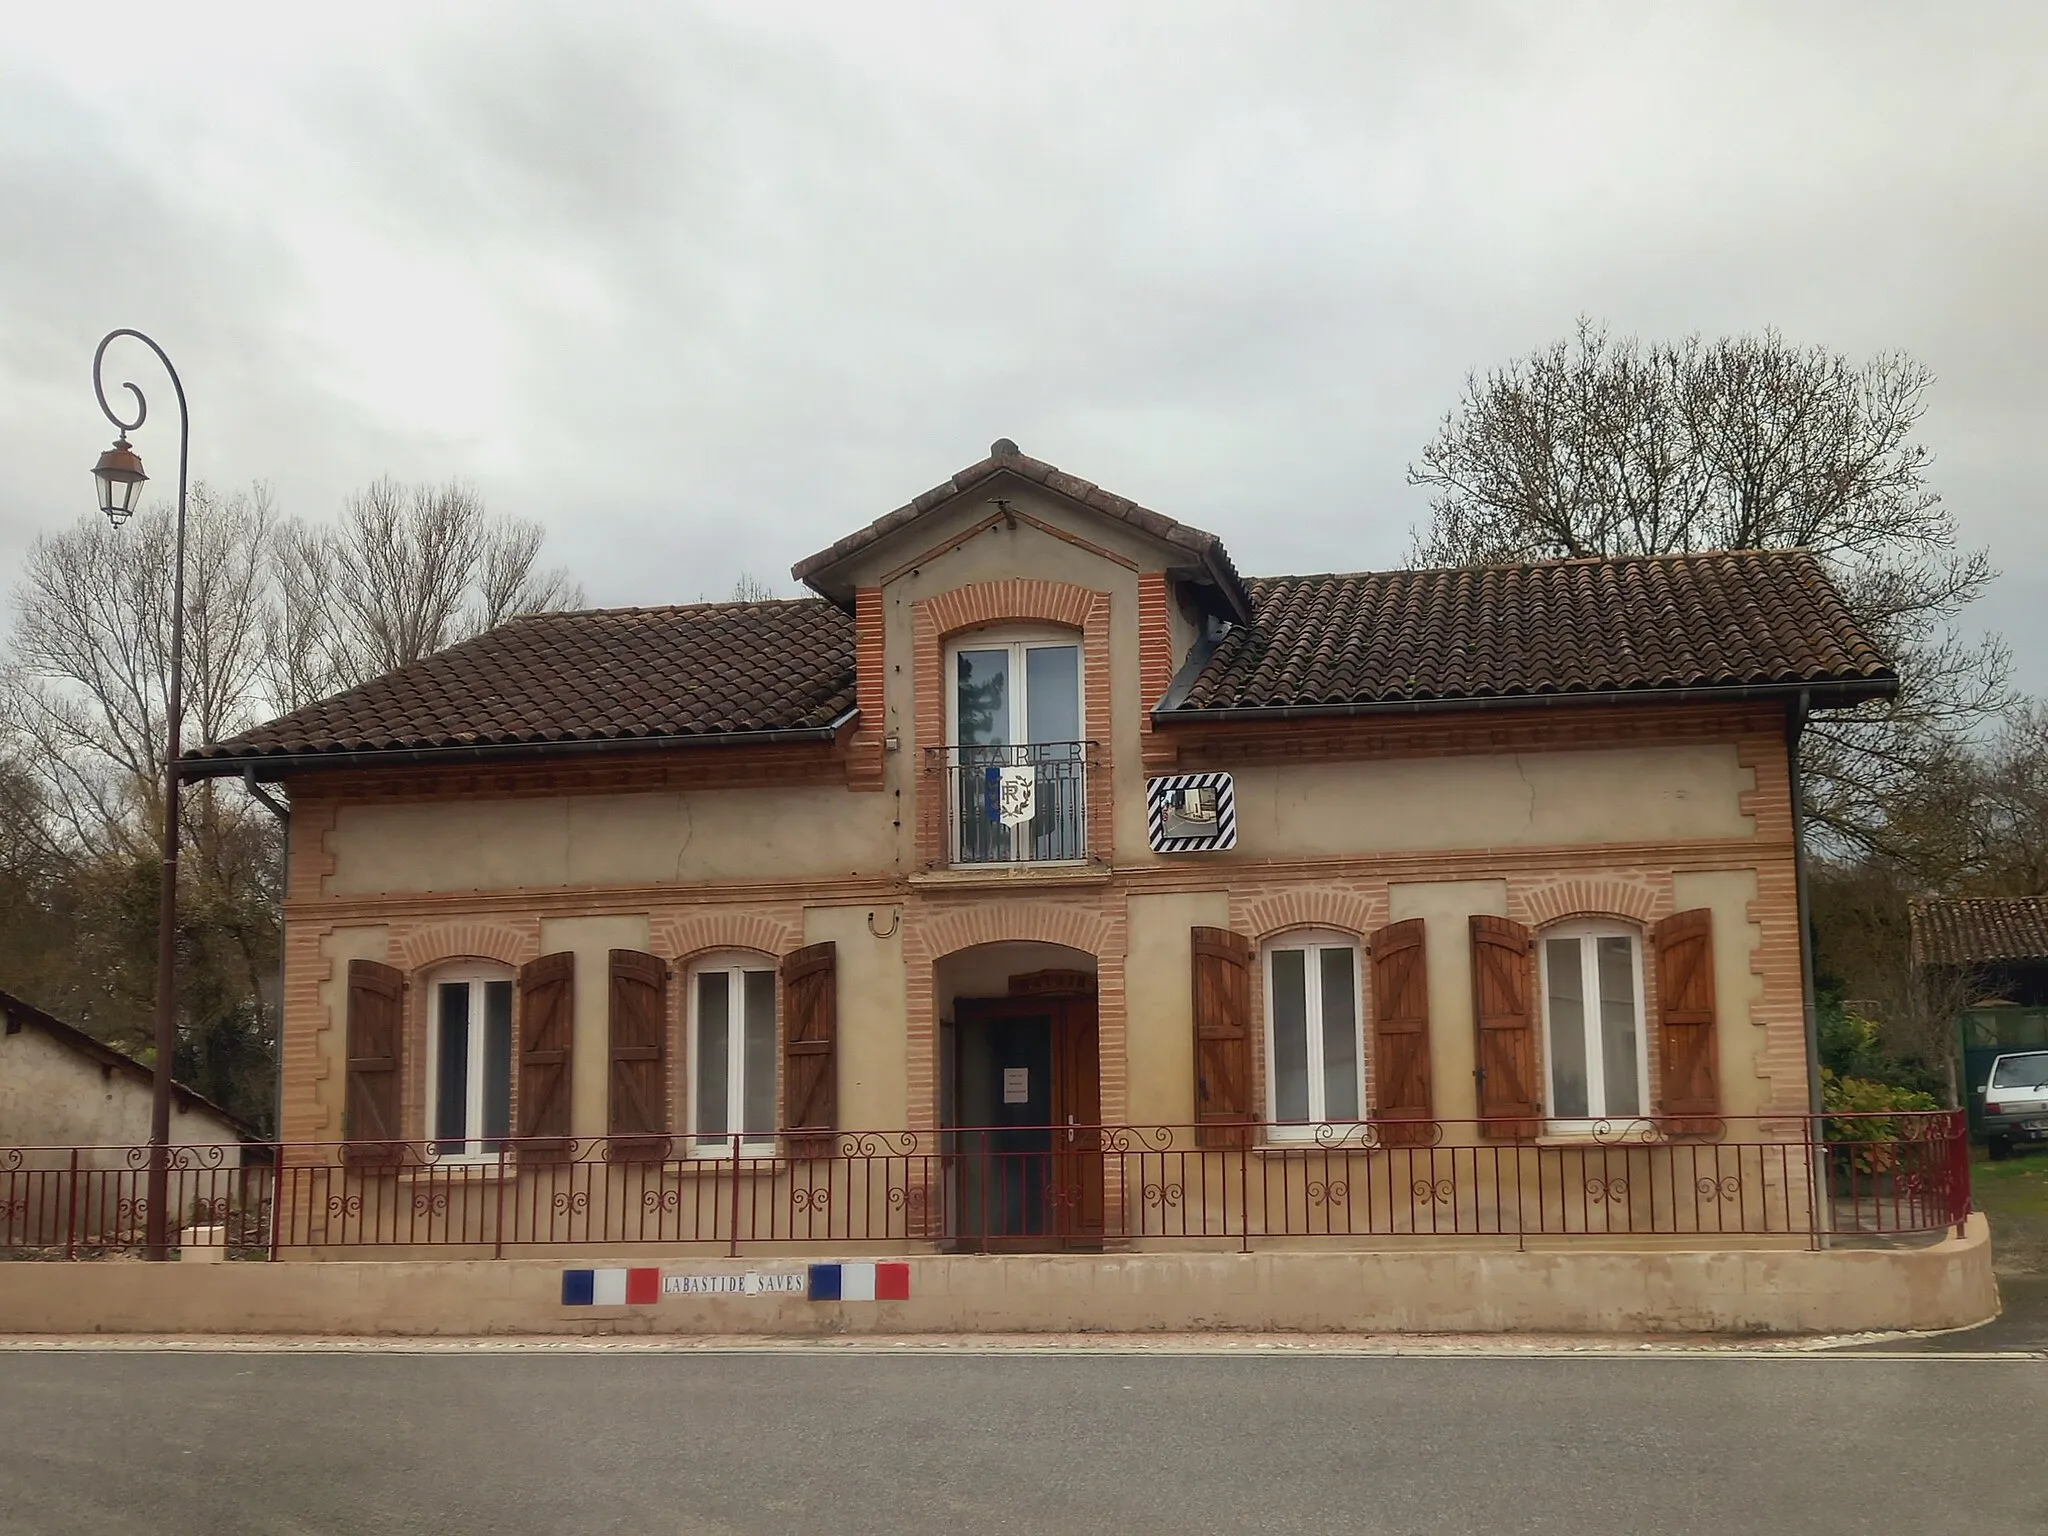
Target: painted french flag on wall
[860, 1282]
[610, 1287]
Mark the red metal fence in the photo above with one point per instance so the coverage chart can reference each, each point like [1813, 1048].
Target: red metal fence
[1696, 1182]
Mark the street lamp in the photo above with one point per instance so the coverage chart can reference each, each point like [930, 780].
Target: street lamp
[120, 479]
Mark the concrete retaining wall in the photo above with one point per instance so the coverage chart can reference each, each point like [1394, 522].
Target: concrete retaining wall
[1946, 1285]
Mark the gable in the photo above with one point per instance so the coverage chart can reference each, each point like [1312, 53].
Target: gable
[1009, 490]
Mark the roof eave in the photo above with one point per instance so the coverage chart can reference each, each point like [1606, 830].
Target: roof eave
[1834, 694]
[268, 767]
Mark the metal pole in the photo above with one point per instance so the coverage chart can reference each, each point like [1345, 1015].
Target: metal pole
[157, 1230]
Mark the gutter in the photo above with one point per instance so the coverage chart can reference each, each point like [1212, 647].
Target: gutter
[275, 765]
[1816, 1125]
[1853, 693]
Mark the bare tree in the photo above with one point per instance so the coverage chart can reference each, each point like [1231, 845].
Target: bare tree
[408, 571]
[88, 689]
[750, 588]
[1599, 447]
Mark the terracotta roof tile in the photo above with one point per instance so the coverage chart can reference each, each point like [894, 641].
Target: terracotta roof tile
[606, 674]
[1969, 931]
[1561, 627]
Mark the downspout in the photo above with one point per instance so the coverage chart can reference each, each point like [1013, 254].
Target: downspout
[284, 815]
[1816, 1124]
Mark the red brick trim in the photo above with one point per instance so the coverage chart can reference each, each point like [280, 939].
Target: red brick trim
[1015, 600]
[864, 753]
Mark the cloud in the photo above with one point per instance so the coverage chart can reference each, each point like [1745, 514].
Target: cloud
[706, 287]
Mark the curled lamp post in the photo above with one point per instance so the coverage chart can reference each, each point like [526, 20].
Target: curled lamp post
[120, 480]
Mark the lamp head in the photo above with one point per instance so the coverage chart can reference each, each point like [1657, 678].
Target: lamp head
[120, 479]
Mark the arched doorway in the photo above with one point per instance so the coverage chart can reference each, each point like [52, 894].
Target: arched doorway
[1021, 1097]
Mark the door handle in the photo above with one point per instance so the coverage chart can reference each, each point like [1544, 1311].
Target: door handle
[1070, 1130]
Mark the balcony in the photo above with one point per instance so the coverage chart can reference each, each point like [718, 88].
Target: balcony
[1021, 804]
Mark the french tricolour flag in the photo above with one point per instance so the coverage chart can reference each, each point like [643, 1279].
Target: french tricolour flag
[610, 1287]
[860, 1282]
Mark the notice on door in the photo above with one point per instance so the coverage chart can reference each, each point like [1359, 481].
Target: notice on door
[1016, 1085]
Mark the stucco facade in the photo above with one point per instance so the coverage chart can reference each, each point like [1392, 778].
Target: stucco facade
[1629, 819]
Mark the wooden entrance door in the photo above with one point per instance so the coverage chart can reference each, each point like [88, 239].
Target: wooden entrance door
[1077, 1124]
[1034, 1172]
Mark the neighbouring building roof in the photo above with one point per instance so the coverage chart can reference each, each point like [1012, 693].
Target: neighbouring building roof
[1652, 624]
[707, 671]
[18, 1015]
[1004, 456]
[1975, 930]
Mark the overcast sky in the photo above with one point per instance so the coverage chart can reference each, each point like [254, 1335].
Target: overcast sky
[703, 287]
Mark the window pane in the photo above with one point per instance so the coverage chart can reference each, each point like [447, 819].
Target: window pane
[1290, 1034]
[1567, 1028]
[1340, 1037]
[713, 1051]
[982, 689]
[759, 1081]
[451, 1068]
[497, 1062]
[1619, 1037]
[1052, 693]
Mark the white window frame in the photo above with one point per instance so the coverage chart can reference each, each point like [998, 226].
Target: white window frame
[476, 975]
[735, 964]
[1016, 641]
[1316, 939]
[1586, 930]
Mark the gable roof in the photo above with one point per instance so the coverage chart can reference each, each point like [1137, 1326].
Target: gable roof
[18, 1015]
[1739, 620]
[1205, 550]
[1972, 930]
[709, 672]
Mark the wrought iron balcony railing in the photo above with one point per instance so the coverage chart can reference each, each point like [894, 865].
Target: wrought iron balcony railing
[1024, 804]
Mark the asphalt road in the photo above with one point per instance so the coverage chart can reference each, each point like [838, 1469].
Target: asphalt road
[734, 1445]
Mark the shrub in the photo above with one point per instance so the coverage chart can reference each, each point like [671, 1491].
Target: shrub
[1867, 1145]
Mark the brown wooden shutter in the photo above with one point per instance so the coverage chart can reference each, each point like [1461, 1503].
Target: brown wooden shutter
[376, 1033]
[639, 1051]
[810, 1031]
[1504, 1000]
[1690, 1078]
[1223, 1037]
[547, 1031]
[1400, 1024]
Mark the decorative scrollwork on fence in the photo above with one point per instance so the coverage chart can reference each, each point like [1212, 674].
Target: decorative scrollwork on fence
[1137, 1138]
[898, 1197]
[1063, 1196]
[1333, 1192]
[127, 1210]
[344, 1206]
[813, 1198]
[1629, 1133]
[570, 1202]
[197, 1155]
[662, 1200]
[1362, 1134]
[1438, 1192]
[1727, 1187]
[10, 1159]
[430, 1202]
[878, 1144]
[210, 1213]
[1606, 1191]
[1164, 1196]
[15, 1209]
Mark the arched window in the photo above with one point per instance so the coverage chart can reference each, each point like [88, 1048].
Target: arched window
[732, 1052]
[1592, 978]
[469, 1059]
[1013, 717]
[1314, 1057]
